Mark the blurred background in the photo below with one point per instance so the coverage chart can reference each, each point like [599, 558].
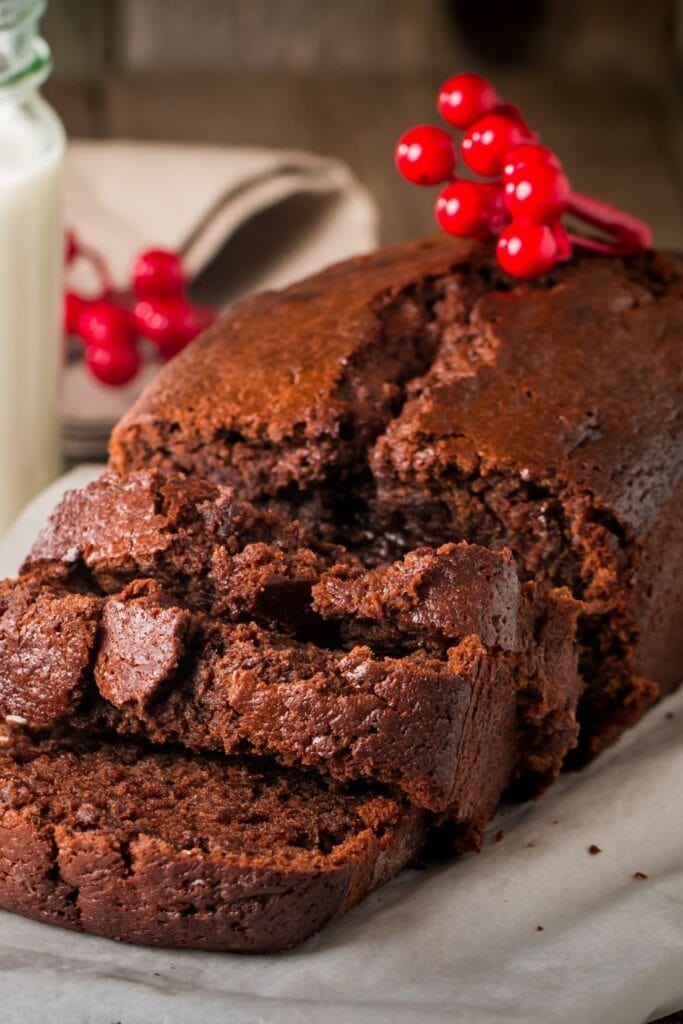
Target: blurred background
[600, 79]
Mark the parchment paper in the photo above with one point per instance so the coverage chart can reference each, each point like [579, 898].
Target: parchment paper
[454, 943]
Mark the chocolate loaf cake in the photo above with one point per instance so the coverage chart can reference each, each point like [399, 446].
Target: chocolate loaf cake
[165, 849]
[418, 396]
[350, 531]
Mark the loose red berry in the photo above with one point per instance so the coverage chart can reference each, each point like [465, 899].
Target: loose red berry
[488, 141]
[465, 98]
[537, 193]
[73, 308]
[425, 155]
[158, 272]
[102, 322]
[466, 209]
[526, 250]
[526, 154]
[114, 363]
[170, 323]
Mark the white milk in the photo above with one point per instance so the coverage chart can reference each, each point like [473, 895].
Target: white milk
[31, 256]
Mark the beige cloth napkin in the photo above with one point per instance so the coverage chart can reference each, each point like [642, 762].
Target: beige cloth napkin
[244, 219]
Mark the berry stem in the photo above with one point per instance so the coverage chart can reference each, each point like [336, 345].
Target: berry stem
[99, 265]
[631, 234]
[513, 112]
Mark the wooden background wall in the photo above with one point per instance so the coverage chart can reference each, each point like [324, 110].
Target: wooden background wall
[599, 78]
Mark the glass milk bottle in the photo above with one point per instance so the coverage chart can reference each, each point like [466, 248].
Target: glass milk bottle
[31, 251]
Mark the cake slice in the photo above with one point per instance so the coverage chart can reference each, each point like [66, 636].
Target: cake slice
[166, 849]
[47, 650]
[214, 552]
[431, 595]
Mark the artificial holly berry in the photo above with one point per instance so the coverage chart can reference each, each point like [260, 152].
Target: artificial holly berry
[74, 306]
[529, 153]
[170, 323]
[536, 192]
[467, 209]
[487, 142]
[526, 250]
[103, 322]
[425, 155]
[115, 362]
[465, 98]
[158, 272]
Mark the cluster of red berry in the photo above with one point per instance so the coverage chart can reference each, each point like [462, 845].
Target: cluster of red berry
[110, 325]
[523, 206]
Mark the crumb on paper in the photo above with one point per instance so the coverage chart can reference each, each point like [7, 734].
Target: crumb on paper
[669, 715]
[594, 849]
[529, 844]
[556, 821]
[539, 928]
[640, 874]
[499, 835]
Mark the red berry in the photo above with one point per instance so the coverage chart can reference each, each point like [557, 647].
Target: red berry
[114, 363]
[425, 155]
[466, 208]
[73, 308]
[102, 322]
[464, 98]
[170, 323]
[526, 250]
[158, 272]
[488, 141]
[529, 153]
[537, 193]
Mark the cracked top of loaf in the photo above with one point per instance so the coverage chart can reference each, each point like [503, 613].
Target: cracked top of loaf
[428, 354]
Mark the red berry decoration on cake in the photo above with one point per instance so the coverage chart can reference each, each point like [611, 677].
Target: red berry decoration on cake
[156, 308]
[464, 98]
[527, 194]
[426, 155]
[487, 142]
